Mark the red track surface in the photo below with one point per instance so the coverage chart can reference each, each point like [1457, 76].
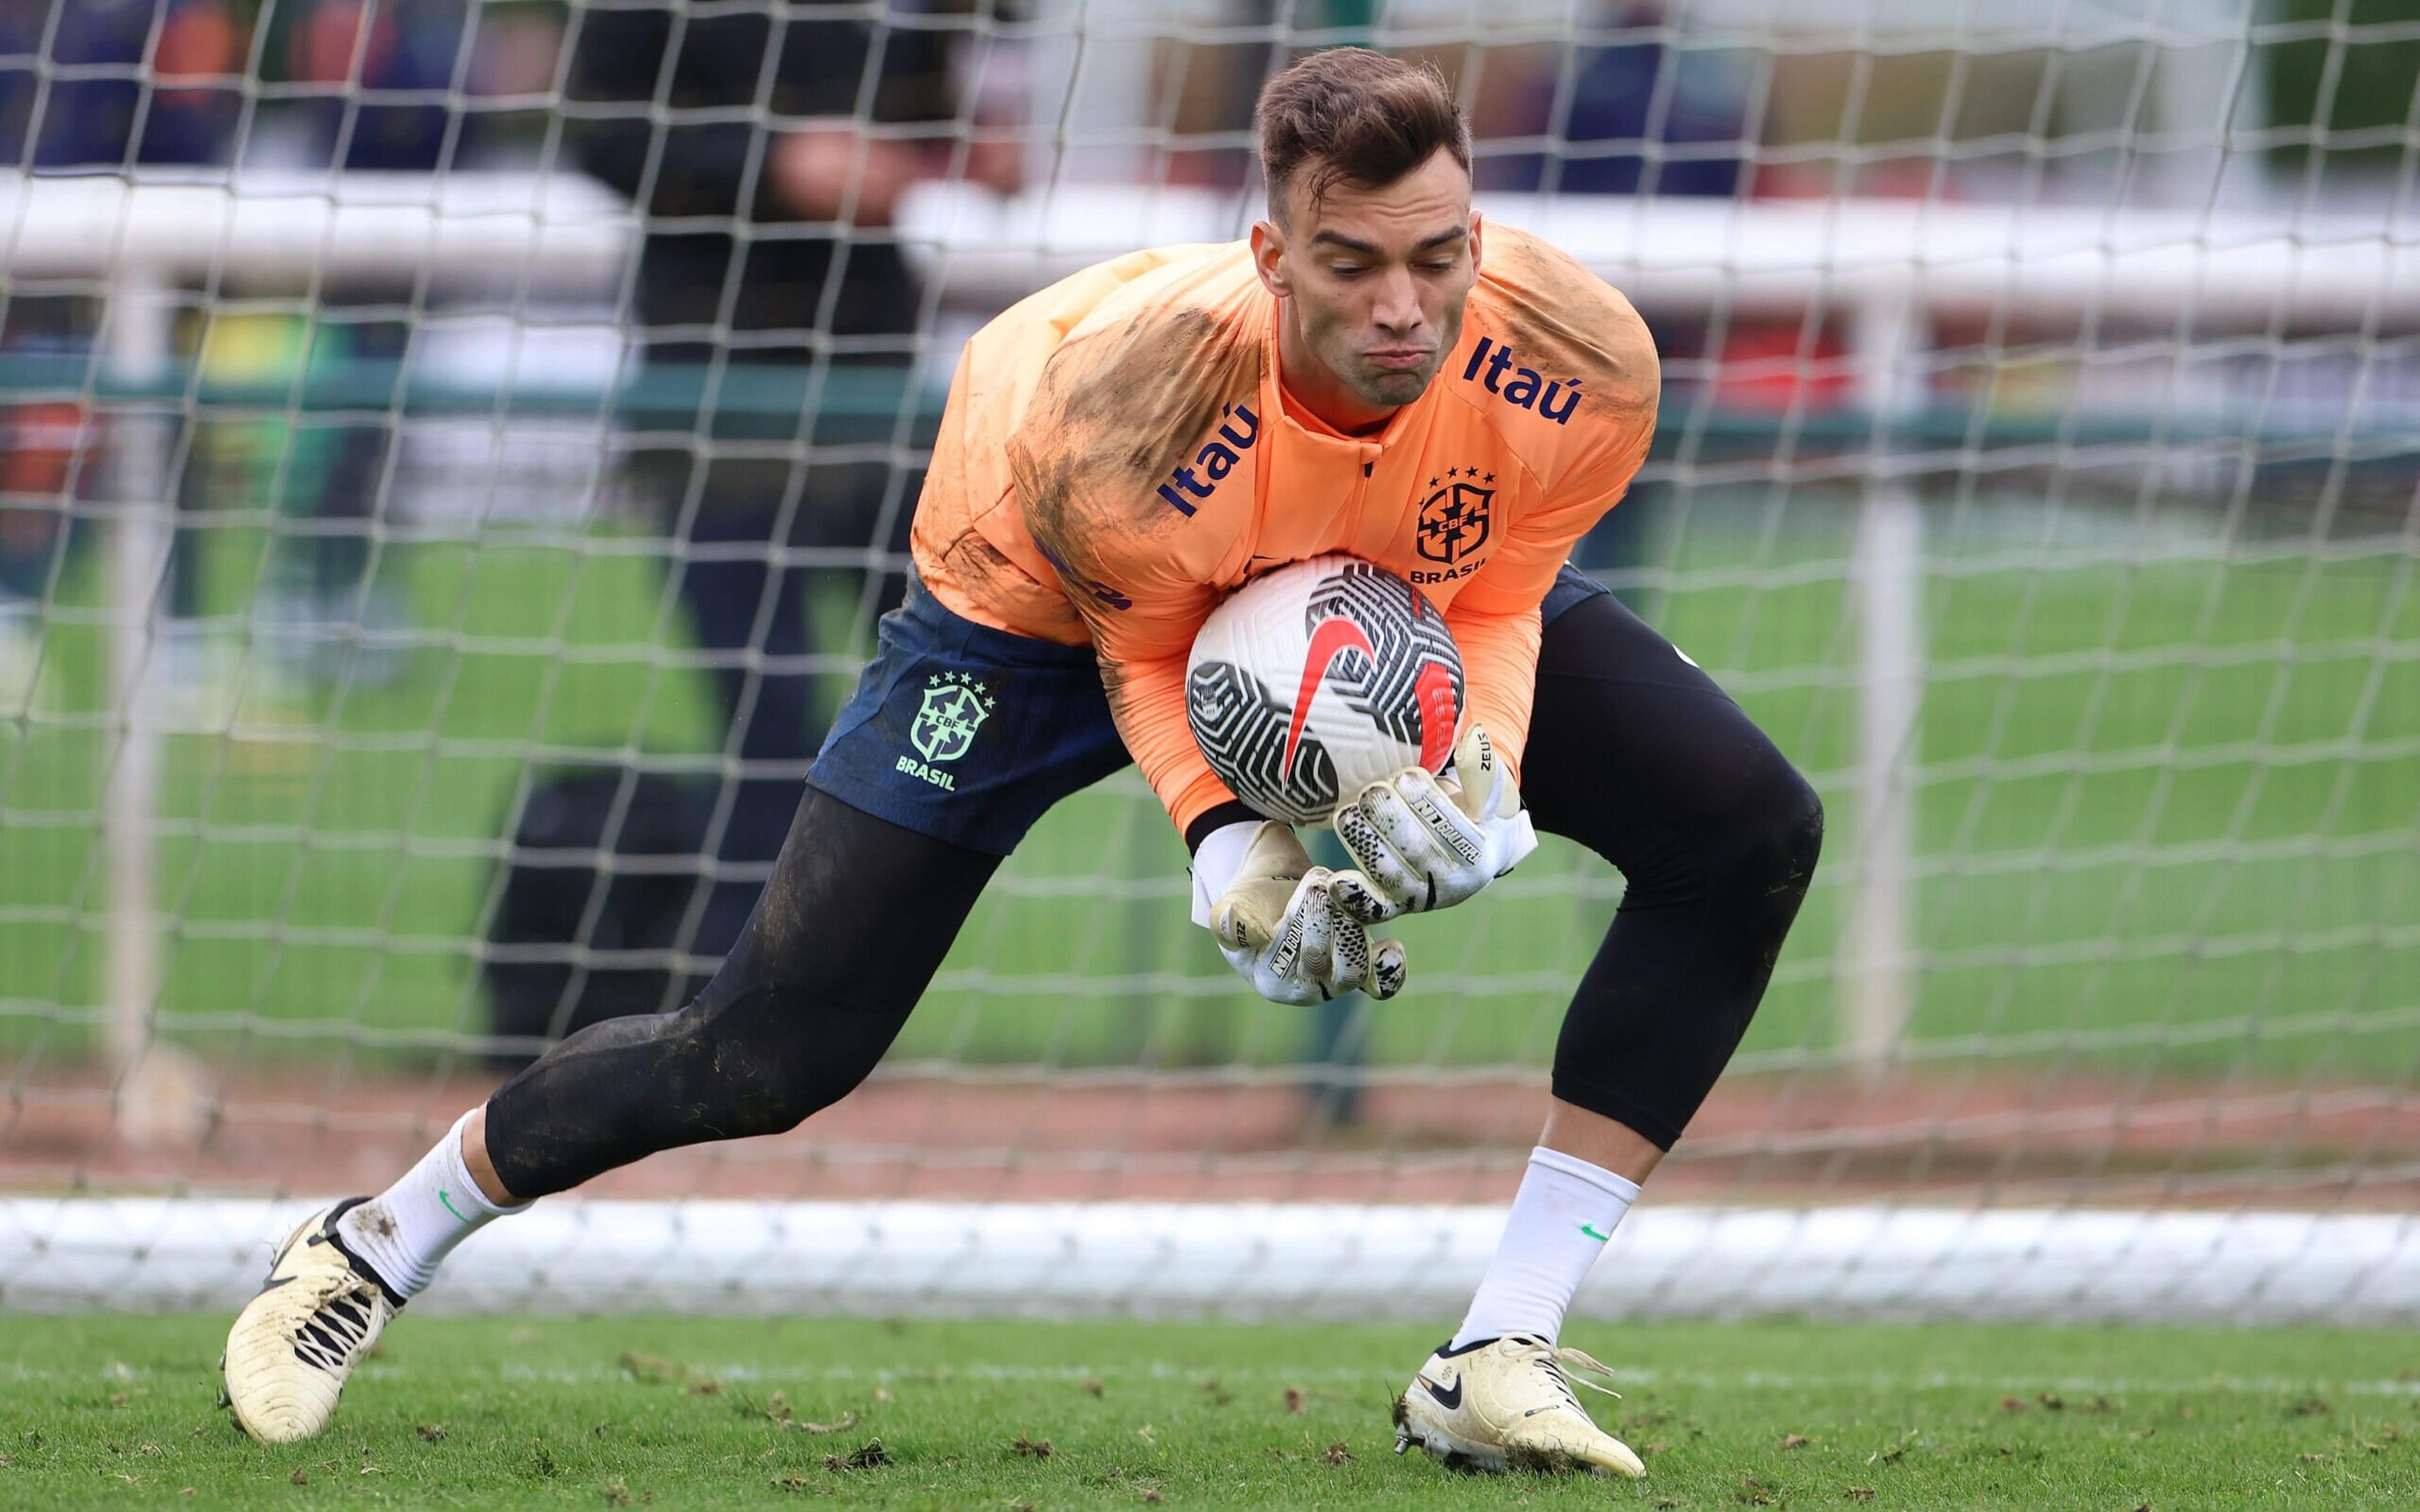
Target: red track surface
[2006, 1139]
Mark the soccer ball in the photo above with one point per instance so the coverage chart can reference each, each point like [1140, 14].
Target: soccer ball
[1320, 677]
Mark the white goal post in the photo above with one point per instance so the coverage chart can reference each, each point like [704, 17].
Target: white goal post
[1343, 1261]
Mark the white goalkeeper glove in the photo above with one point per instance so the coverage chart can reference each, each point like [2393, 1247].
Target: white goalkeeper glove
[1256, 890]
[1423, 842]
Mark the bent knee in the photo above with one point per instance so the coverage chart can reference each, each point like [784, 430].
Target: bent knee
[1772, 828]
[1796, 820]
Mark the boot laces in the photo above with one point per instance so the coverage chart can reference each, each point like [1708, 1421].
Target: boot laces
[336, 1329]
[1557, 1362]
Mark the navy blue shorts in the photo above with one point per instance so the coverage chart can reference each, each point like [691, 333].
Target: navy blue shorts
[968, 735]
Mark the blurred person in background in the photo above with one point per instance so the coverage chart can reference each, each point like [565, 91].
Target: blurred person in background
[107, 114]
[1640, 115]
[788, 138]
[357, 55]
[367, 87]
[87, 119]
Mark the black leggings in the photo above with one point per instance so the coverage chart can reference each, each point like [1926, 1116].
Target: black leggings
[1633, 751]
[1637, 754]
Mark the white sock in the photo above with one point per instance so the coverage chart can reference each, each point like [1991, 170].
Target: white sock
[1562, 1217]
[404, 1231]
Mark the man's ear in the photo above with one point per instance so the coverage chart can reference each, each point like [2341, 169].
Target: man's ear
[1268, 257]
[1474, 241]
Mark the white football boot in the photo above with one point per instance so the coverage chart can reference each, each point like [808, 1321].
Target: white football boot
[1508, 1404]
[294, 1344]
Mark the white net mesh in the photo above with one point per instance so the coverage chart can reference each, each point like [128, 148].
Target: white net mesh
[455, 451]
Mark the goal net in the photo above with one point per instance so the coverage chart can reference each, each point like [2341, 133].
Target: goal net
[456, 451]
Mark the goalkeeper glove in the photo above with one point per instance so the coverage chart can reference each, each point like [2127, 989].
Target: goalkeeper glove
[1424, 842]
[1256, 890]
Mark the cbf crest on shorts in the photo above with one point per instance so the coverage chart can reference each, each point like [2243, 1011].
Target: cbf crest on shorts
[955, 705]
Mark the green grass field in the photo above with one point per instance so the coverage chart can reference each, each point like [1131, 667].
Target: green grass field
[2167, 823]
[2167, 815]
[110, 1411]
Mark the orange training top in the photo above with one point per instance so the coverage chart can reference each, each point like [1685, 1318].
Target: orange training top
[1116, 456]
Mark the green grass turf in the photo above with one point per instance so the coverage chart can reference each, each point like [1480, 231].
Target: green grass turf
[117, 1412]
[2165, 815]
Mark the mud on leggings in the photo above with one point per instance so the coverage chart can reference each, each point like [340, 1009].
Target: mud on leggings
[844, 940]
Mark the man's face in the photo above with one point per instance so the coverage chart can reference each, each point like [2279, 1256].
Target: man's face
[1376, 278]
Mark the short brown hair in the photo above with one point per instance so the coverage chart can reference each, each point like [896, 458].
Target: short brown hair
[1350, 116]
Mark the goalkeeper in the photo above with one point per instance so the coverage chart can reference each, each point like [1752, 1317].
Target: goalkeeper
[1373, 372]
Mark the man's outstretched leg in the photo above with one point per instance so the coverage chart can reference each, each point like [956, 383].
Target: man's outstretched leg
[1637, 754]
[848, 932]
